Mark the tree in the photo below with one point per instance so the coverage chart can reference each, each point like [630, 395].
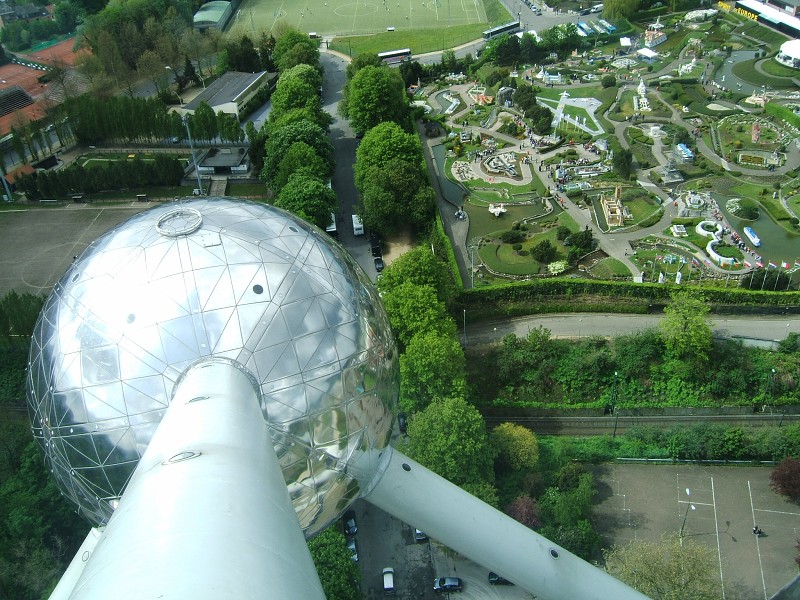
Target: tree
[541, 119]
[617, 9]
[785, 478]
[544, 251]
[361, 60]
[685, 328]
[449, 437]
[517, 447]
[414, 309]
[608, 81]
[337, 572]
[308, 198]
[293, 48]
[299, 158]
[376, 95]
[484, 491]
[418, 266]
[673, 568]
[280, 140]
[387, 193]
[525, 510]
[433, 366]
[449, 62]
[623, 163]
[383, 143]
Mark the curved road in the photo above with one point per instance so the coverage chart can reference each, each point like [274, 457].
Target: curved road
[607, 325]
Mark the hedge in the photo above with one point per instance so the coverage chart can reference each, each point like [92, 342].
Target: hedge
[586, 295]
[783, 113]
[443, 242]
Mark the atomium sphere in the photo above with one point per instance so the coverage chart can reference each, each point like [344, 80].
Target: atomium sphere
[213, 277]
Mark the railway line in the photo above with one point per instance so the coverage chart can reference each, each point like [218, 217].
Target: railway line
[620, 423]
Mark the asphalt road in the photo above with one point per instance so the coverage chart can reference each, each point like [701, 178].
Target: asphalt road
[596, 324]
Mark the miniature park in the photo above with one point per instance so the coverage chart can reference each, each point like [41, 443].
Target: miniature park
[711, 145]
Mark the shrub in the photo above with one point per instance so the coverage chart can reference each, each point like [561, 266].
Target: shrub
[512, 236]
[785, 478]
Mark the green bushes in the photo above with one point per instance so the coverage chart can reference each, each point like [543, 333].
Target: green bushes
[695, 442]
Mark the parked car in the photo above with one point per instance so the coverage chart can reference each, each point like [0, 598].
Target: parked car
[402, 422]
[447, 584]
[379, 264]
[353, 547]
[388, 581]
[349, 523]
[420, 536]
[495, 579]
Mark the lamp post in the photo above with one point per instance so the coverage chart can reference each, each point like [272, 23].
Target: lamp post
[191, 149]
[686, 514]
[465, 328]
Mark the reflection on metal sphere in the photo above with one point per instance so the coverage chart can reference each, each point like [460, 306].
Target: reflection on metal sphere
[218, 277]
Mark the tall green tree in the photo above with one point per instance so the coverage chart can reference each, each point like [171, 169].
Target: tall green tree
[618, 9]
[376, 95]
[281, 140]
[383, 143]
[685, 328]
[517, 447]
[308, 198]
[337, 572]
[449, 437]
[415, 309]
[300, 158]
[673, 568]
[433, 366]
[293, 48]
[623, 163]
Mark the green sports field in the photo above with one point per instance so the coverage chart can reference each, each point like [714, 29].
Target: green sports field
[349, 17]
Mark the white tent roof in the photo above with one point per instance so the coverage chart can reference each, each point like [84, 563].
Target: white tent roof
[646, 52]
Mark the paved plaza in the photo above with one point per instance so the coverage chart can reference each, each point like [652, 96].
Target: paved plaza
[720, 506]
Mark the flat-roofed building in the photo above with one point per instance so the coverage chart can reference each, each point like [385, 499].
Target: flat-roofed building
[231, 92]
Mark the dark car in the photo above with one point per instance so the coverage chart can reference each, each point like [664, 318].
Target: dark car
[495, 579]
[349, 523]
[379, 264]
[402, 422]
[420, 536]
[447, 584]
[376, 249]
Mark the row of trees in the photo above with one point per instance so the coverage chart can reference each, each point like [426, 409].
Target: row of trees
[389, 172]
[115, 175]
[292, 150]
[448, 435]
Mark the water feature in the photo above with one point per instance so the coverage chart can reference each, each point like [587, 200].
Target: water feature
[777, 244]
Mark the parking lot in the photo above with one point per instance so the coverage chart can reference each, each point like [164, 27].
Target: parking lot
[714, 505]
[384, 541]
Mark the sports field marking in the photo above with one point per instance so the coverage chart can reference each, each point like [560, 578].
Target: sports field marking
[719, 549]
[764, 510]
[758, 545]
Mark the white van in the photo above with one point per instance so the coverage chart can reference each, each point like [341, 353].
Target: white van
[388, 581]
[358, 226]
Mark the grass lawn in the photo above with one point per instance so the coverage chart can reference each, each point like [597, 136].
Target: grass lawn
[746, 70]
[609, 268]
[773, 67]
[247, 190]
[503, 258]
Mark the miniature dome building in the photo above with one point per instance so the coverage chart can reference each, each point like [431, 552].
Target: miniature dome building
[214, 277]
[789, 54]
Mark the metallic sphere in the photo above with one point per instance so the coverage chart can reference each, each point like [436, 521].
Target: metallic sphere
[213, 277]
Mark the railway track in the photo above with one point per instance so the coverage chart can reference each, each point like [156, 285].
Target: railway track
[611, 424]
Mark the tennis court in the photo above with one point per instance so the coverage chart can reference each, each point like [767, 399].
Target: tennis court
[346, 17]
